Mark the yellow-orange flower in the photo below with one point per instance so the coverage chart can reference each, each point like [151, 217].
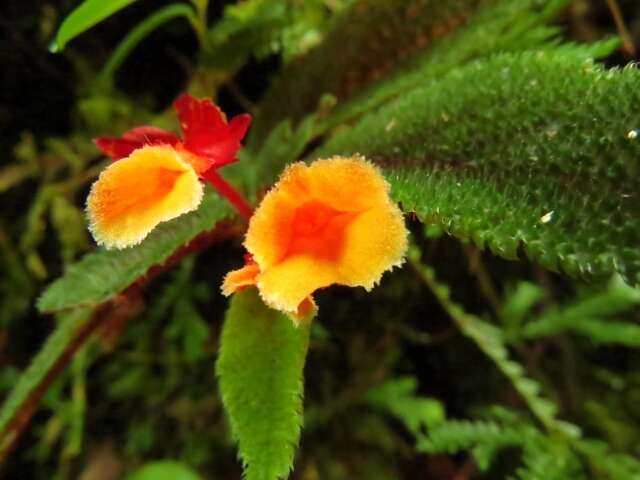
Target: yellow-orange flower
[330, 222]
[156, 174]
[154, 184]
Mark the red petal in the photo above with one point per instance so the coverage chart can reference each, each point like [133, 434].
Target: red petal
[117, 148]
[151, 136]
[206, 131]
[239, 125]
[219, 153]
[198, 116]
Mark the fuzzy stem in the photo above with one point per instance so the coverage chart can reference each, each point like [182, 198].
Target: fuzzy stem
[227, 191]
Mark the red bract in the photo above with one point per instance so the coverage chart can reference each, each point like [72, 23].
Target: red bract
[205, 131]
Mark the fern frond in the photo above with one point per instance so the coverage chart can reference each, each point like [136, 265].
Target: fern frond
[548, 460]
[589, 317]
[613, 466]
[398, 396]
[484, 439]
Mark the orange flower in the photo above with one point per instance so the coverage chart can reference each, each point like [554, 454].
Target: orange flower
[157, 174]
[331, 222]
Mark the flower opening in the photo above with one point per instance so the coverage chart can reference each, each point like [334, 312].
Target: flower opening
[330, 222]
[156, 176]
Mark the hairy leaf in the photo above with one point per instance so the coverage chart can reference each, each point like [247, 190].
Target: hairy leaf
[412, 44]
[101, 275]
[85, 16]
[519, 303]
[520, 150]
[503, 26]
[260, 365]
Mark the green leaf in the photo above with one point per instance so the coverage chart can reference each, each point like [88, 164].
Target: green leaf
[365, 39]
[549, 460]
[164, 470]
[519, 303]
[85, 16]
[101, 275]
[398, 397]
[588, 316]
[614, 466]
[520, 150]
[508, 25]
[260, 366]
[64, 334]
[455, 435]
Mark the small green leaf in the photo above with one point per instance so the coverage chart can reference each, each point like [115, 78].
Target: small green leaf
[591, 316]
[83, 18]
[455, 435]
[101, 275]
[260, 366]
[398, 396]
[520, 302]
[164, 470]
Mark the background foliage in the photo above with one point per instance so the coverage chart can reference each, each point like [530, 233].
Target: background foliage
[506, 347]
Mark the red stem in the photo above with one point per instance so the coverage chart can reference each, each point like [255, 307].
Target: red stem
[226, 190]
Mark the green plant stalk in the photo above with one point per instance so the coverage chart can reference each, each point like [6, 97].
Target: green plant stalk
[139, 33]
[200, 25]
[78, 404]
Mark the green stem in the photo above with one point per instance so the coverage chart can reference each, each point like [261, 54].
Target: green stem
[200, 27]
[78, 404]
[139, 33]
